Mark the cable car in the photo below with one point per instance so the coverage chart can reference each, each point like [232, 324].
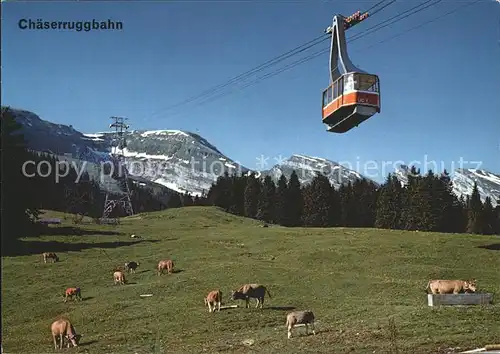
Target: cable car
[353, 95]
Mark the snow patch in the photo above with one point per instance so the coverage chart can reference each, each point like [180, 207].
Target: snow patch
[163, 132]
[142, 155]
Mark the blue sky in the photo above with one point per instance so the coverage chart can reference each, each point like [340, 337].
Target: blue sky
[440, 83]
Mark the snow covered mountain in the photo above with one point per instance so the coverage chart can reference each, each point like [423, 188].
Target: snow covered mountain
[463, 180]
[184, 161]
[307, 167]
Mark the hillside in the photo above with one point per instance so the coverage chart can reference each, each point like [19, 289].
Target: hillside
[354, 280]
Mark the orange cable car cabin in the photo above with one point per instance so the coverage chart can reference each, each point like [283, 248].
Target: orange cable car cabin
[353, 96]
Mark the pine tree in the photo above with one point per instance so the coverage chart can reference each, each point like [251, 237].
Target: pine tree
[427, 203]
[347, 205]
[335, 212]
[265, 209]
[174, 201]
[388, 213]
[318, 209]
[238, 186]
[187, 200]
[410, 213]
[488, 217]
[364, 203]
[295, 202]
[474, 213]
[459, 215]
[19, 205]
[280, 209]
[251, 196]
[220, 192]
[443, 203]
[497, 221]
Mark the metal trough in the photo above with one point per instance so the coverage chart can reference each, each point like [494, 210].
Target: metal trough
[459, 299]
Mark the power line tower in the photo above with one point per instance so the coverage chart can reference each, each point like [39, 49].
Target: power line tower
[120, 174]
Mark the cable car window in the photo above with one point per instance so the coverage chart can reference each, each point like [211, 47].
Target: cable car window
[367, 83]
[329, 94]
[325, 102]
[348, 83]
[335, 89]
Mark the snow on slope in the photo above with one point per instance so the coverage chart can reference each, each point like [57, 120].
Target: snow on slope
[182, 161]
[307, 167]
[488, 184]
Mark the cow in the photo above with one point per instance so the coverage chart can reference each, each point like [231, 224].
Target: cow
[247, 291]
[299, 317]
[50, 255]
[70, 292]
[451, 286]
[131, 266]
[166, 264]
[63, 329]
[213, 298]
[119, 277]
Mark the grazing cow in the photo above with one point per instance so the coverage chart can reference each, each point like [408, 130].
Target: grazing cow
[50, 255]
[70, 292]
[451, 286]
[63, 329]
[299, 317]
[213, 298]
[247, 291]
[131, 266]
[119, 277]
[166, 264]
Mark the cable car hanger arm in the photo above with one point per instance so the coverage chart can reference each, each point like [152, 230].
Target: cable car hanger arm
[339, 59]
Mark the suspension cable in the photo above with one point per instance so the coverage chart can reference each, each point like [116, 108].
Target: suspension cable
[266, 64]
[327, 49]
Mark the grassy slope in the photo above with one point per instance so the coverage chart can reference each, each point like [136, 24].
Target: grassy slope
[353, 279]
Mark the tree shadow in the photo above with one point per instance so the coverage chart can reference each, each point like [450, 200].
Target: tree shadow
[74, 231]
[492, 247]
[280, 308]
[26, 248]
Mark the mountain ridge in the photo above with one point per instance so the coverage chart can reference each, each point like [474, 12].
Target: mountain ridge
[184, 161]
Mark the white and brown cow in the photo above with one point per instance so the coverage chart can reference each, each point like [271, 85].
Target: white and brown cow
[62, 329]
[167, 264]
[70, 292]
[214, 298]
[247, 291]
[119, 277]
[451, 286]
[50, 255]
[305, 317]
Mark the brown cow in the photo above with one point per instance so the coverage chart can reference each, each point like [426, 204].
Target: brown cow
[166, 264]
[50, 255]
[70, 292]
[299, 317]
[63, 329]
[451, 286]
[248, 291]
[119, 277]
[213, 298]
